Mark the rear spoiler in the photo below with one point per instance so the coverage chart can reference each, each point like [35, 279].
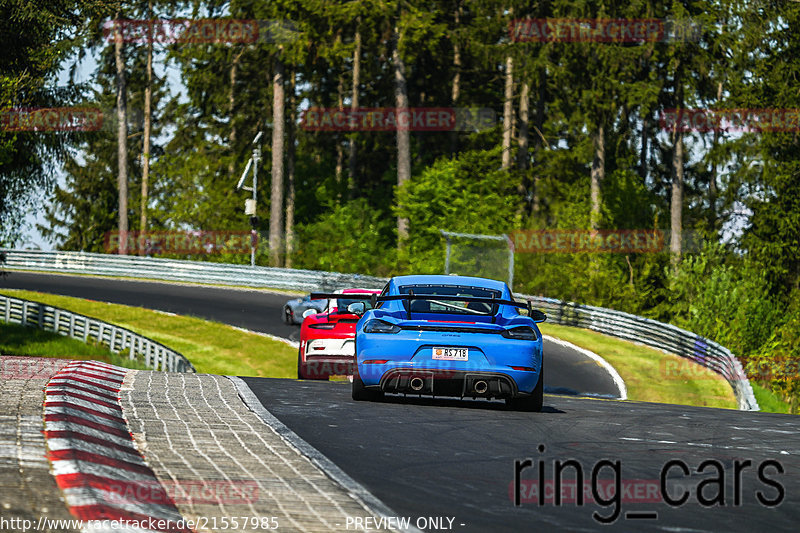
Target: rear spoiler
[537, 315]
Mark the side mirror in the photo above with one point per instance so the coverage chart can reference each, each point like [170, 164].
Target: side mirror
[357, 308]
[537, 316]
[308, 312]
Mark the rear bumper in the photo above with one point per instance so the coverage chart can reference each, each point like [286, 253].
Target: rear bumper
[463, 384]
[508, 364]
[330, 347]
[324, 367]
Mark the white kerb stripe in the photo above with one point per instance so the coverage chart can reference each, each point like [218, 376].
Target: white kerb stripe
[86, 430]
[64, 467]
[91, 447]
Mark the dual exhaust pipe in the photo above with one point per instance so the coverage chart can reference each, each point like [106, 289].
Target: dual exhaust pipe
[417, 384]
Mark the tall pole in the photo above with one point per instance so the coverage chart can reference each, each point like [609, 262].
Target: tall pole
[254, 218]
[250, 205]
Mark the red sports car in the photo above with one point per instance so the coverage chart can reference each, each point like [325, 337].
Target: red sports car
[327, 339]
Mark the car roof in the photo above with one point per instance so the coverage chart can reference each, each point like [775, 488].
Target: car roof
[441, 279]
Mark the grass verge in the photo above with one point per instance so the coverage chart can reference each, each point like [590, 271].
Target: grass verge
[645, 370]
[768, 401]
[34, 342]
[211, 347]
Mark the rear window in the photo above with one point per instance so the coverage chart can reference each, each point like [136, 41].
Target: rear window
[449, 302]
[342, 303]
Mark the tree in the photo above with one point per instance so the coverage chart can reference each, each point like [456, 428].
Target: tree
[35, 39]
[122, 137]
[148, 92]
[352, 147]
[276, 196]
[403, 134]
[771, 176]
[290, 171]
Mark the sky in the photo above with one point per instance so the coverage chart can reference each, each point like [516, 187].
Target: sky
[31, 237]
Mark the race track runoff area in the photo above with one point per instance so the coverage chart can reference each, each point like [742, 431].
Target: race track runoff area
[191, 452]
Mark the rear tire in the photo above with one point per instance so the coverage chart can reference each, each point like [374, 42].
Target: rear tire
[532, 403]
[299, 365]
[302, 375]
[363, 394]
[287, 315]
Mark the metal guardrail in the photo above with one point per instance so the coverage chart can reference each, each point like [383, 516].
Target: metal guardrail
[118, 339]
[655, 334]
[607, 321]
[132, 266]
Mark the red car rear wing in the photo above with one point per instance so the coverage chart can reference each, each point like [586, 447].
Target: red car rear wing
[535, 314]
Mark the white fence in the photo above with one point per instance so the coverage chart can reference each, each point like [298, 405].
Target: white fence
[655, 334]
[119, 340]
[132, 266]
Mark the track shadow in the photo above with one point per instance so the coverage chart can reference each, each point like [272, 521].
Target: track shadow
[565, 391]
[485, 405]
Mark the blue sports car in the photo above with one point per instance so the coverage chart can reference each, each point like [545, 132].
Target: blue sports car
[449, 336]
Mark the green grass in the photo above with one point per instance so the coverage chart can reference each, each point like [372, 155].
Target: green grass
[34, 342]
[211, 347]
[651, 375]
[768, 401]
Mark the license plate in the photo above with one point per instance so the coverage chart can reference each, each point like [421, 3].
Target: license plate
[451, 354]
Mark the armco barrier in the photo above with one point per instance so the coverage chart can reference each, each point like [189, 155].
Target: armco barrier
[655, 334]
[615, 323]
[187, 271]
[119, 340]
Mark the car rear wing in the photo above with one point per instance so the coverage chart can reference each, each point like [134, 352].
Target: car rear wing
[535, 314]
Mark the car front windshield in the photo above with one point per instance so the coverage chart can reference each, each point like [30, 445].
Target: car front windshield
[342, 303]
[450, 301]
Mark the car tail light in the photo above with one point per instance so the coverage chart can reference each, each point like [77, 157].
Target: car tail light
[523, 333]
[380, 326]
[524, 368]
[323, 325]
[375, 362]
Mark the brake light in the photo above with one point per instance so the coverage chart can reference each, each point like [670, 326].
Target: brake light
[380, 326]
[523, 333]
[376, 362]
[524, 368]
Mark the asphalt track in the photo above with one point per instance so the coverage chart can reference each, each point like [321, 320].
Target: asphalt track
[450, 458]
[566, 371]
